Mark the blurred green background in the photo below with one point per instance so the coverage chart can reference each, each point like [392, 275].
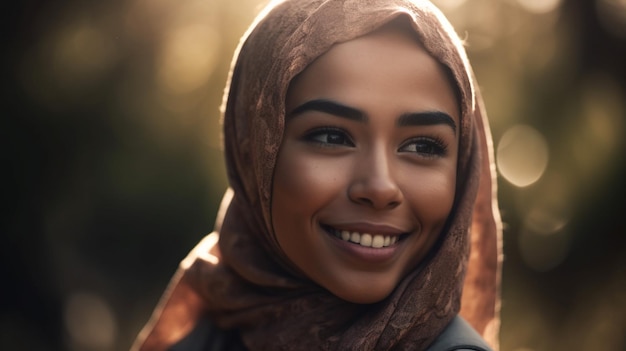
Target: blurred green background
[112, 170]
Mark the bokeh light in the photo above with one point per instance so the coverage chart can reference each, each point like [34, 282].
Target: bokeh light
[599, 137]
[81, 53]
[545, 220]
[543, 252]
[90, 322]
[522, 155]
[612, 14]
[188, 57]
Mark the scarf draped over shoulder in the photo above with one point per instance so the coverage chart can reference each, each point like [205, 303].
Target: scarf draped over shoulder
[238, 275]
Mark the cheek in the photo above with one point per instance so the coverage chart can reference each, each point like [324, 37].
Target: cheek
[432, 196]
[305, 181]
[303, 185]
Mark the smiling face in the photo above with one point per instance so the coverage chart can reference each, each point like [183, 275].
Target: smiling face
[366, 173]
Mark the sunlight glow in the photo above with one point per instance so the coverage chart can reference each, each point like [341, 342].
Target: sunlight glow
[449, 4]
[539, 6]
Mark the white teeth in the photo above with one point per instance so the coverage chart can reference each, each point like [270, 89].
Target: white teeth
[366, 240]
[376, 241]
[355, 237]
[345, 235]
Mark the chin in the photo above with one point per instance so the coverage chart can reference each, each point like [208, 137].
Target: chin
[365, 294]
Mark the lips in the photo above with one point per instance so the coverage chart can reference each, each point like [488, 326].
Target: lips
[368, 238]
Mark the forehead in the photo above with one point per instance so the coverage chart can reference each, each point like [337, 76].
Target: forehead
[387, 62]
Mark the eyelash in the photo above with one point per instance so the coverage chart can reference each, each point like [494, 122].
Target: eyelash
[435, 146]
[314, 136]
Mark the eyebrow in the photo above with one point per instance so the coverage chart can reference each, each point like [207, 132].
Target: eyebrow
[407, 119]
[330, 107]
[426, 119]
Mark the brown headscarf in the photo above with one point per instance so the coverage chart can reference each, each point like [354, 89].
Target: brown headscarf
[240, 277]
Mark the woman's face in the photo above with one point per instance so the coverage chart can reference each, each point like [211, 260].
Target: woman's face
[366, 172]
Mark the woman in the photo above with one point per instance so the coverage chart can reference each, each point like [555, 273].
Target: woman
[361, 172]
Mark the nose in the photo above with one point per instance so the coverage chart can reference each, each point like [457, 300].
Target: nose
[373, 183]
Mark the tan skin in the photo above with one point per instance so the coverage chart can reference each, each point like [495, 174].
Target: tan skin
[370, 147]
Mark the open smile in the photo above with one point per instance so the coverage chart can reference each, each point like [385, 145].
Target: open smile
[373, 240]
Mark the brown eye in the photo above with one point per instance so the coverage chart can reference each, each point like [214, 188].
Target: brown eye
[329, 136]
[427, 147]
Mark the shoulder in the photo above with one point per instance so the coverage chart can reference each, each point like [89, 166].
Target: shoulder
[459, 336]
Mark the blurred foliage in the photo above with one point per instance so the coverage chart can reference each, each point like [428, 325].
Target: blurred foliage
[112, 168]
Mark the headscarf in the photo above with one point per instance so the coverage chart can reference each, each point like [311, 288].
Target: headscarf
[238, 275]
